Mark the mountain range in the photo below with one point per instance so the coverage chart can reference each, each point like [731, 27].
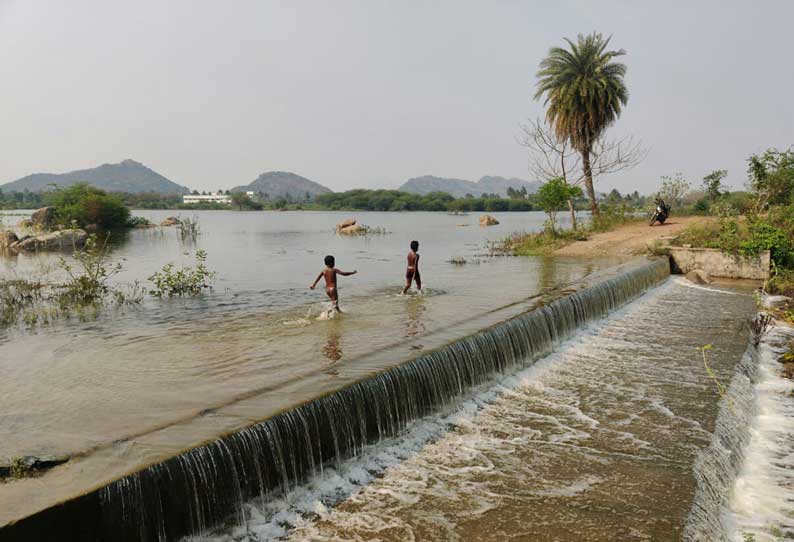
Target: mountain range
[126, 176]
[283, 184]
[134, 177]
[461, 187]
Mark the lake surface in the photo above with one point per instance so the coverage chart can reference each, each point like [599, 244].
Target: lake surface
[130, 386]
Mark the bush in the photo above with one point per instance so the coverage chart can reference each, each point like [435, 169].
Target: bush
[535, 244]
[88, 275]
[82, 205]
[137, 221]
[184, 281]
[764, 236]
[611, 216]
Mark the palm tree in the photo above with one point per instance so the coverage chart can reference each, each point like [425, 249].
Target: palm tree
[584, 94]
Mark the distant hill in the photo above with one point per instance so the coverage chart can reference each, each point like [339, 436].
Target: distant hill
[460, 187]
[283, 184]
[127, 176]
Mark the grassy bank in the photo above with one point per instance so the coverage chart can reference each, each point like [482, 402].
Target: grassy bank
[553, 238]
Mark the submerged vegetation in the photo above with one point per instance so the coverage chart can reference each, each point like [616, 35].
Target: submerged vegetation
[82, 285]
[184, 281]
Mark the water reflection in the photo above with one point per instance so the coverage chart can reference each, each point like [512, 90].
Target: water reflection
[414, 310]
[332, 349]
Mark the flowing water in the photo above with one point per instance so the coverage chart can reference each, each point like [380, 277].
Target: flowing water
[762, 504]
[136, 385]
[599, 441]
[518, 399]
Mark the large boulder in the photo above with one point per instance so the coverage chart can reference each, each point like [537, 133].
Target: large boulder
[7, 238]
[43, 218]
[776, 301]
[488, 220]
[352, 229]
[24, 466]
[57, 240]
[698, 276]
[170, 221]
[346, 223]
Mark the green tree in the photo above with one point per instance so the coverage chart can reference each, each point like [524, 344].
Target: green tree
[83, 205]
[584, 94]
[239, 199]
[772, 177]
[674, 188]
[553, 196]
[712, 183]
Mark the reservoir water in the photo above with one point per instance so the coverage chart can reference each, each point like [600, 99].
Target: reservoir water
[517, 399]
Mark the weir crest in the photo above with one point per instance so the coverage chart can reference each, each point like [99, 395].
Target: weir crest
[207, 485]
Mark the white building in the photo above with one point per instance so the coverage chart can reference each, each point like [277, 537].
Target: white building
[208, 198]
[215, 197]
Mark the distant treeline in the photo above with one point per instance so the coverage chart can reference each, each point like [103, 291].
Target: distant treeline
[395, 200]
[357, 200]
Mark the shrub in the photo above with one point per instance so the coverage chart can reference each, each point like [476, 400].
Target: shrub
[545, 242]
[764, 236]
[613, 215]
[88, 276]
[184, 281]
[137, 221]
[81, 205]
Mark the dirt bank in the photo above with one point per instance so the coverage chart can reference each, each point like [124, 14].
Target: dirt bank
[627, 240]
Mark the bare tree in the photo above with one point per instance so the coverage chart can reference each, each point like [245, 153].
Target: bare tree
[551, 157]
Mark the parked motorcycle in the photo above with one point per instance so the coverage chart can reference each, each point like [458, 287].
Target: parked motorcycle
[661, 213]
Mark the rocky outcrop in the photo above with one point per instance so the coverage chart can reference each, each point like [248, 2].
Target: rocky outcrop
[24, 466]
[353, 229]
[488, 220]
[346, 223]
[170, 221]
[776, 301]
[698, 276]
[57, 240]
[43, 218]
[7, 238]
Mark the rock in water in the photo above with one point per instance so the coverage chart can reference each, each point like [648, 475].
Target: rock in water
[170, 221]
[44, 217]
[57, 240]
[353, 229]
[698, 276]
[488, 220]
[770, 301]
[345, 224]
[23, 465]
[7, 238]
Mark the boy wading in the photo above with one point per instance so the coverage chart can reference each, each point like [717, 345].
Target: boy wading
[412, 273]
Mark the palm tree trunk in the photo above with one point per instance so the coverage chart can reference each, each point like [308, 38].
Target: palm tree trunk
[573, 214]
[588, 181]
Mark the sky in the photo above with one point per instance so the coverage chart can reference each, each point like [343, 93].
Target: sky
[370, 93]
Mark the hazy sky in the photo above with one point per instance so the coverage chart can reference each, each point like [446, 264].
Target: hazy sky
[370, 93]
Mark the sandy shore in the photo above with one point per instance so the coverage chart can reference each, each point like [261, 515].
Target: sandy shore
[627, 240]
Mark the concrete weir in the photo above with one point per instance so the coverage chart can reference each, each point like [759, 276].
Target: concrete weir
[718, 263]
[208, 484]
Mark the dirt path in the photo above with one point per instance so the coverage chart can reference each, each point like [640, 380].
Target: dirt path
[627, 240]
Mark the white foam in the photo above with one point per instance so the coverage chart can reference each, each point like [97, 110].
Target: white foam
[763, 494]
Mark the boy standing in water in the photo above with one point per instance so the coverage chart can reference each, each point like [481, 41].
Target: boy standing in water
[412, 273]
[329, 274]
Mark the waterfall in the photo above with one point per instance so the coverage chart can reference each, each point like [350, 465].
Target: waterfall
[717, 465]
[206, 486]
